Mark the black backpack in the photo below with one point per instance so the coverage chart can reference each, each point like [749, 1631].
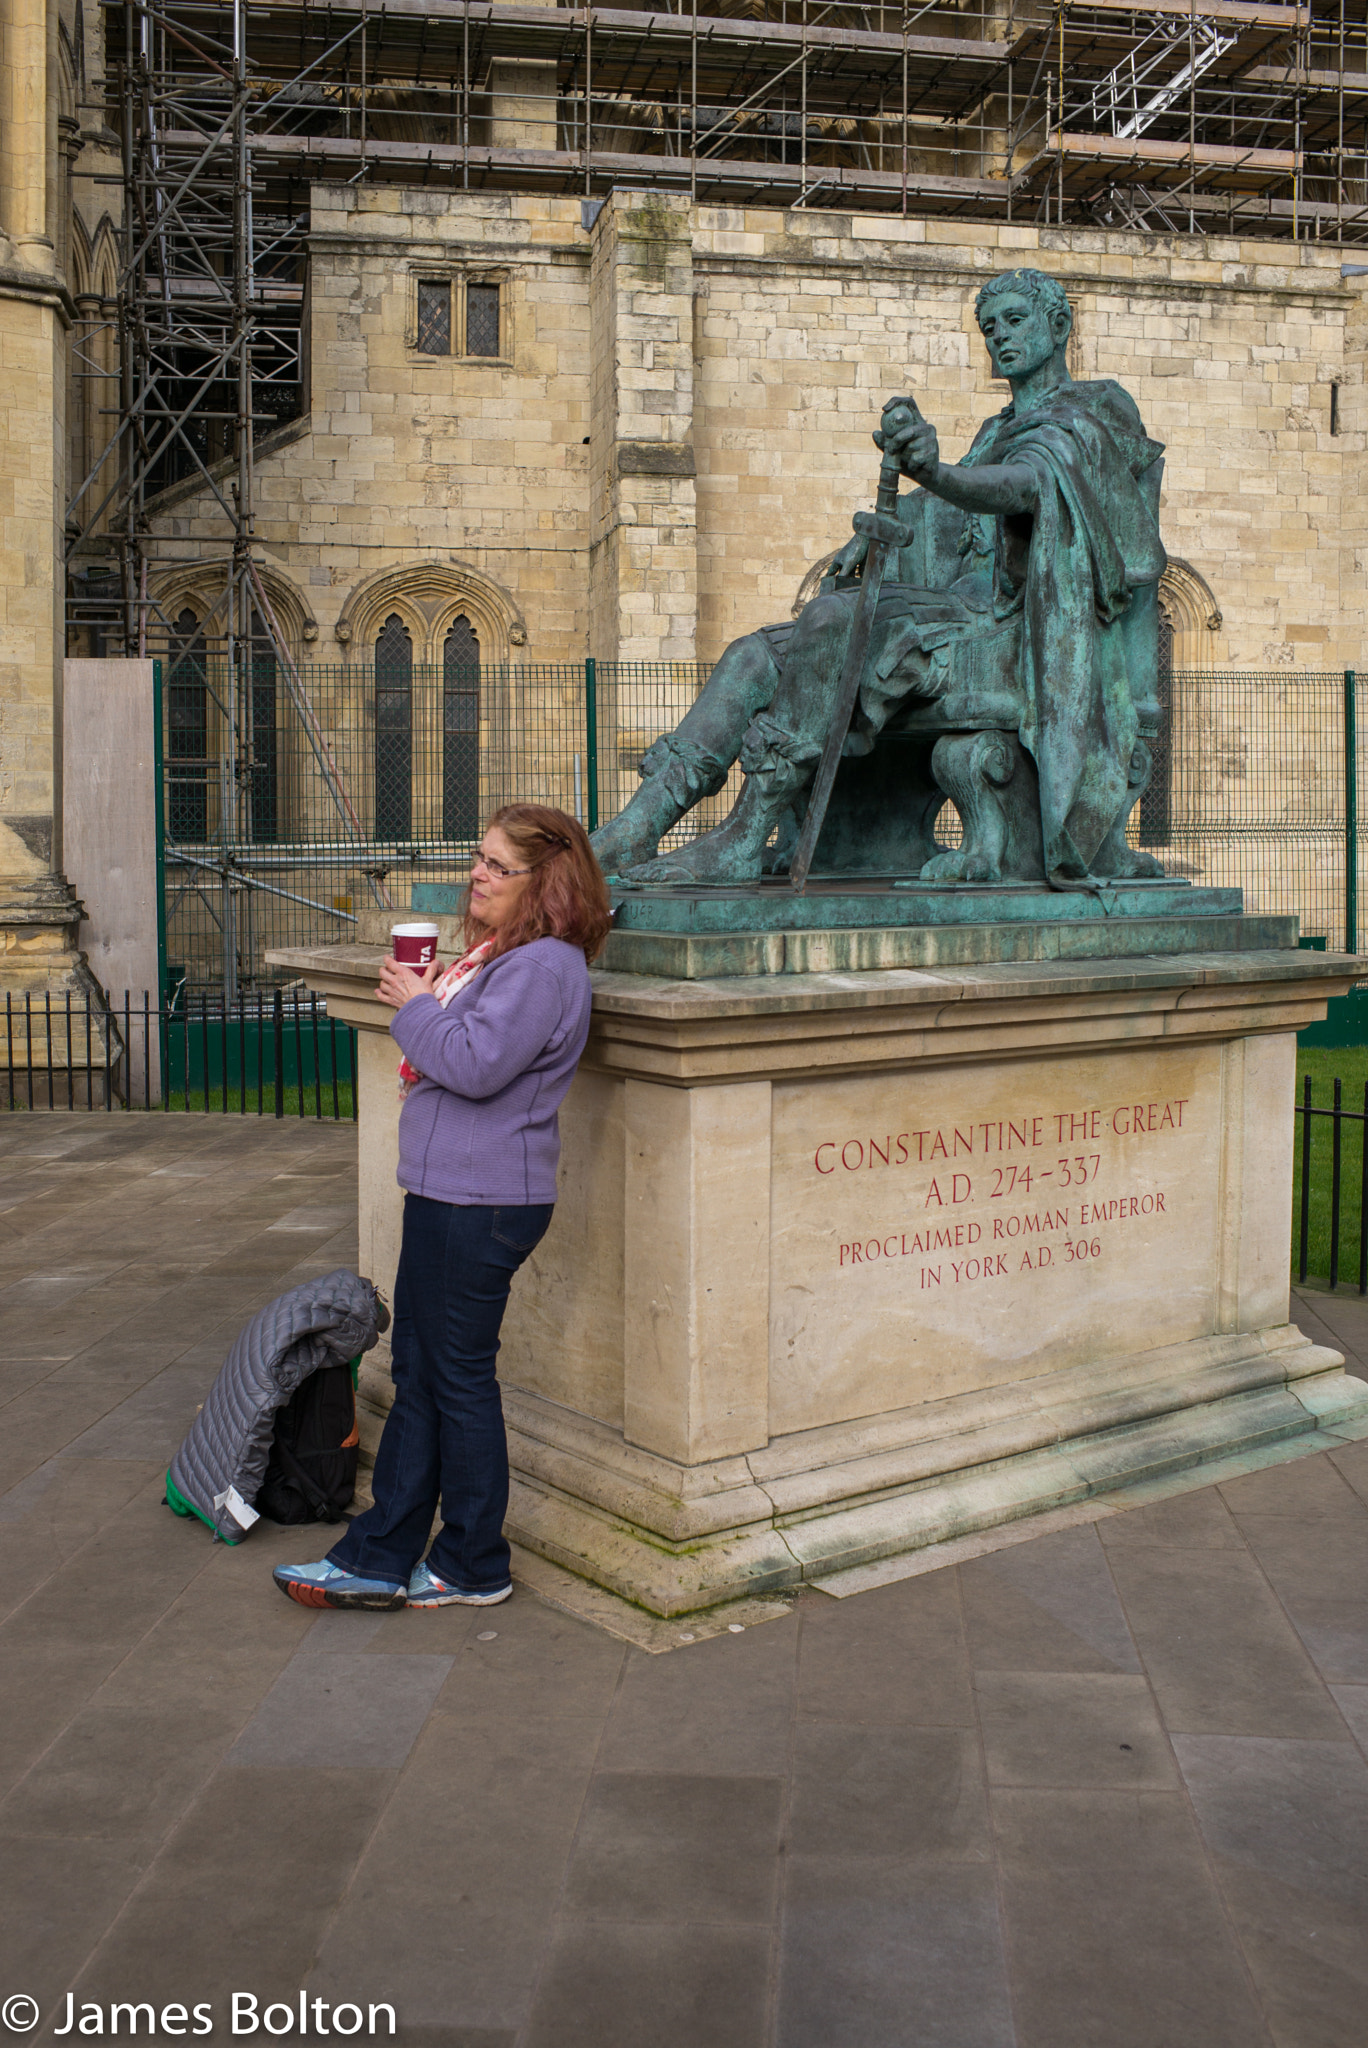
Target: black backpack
[311, 1472]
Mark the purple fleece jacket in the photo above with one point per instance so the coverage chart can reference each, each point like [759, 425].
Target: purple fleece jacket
[481, 1126]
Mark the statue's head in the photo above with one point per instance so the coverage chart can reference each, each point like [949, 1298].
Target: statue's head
[1025, 314]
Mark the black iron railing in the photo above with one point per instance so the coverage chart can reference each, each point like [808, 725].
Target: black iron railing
[1323, 1226]
[274, 1052]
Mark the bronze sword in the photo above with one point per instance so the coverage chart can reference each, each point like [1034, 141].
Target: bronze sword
[884, 532]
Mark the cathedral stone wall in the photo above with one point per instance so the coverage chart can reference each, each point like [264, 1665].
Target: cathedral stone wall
[408, 457]
[676, 425]
[807, 322]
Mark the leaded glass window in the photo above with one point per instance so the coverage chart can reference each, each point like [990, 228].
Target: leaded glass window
[434, 317]
[1156, 799]
[263, 781]
[393, 730]
[460, 731]
[482, 320]
[187, 734]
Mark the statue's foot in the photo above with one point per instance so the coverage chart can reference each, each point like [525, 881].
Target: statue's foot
[959, 865]
[624, 842]
[732, 852]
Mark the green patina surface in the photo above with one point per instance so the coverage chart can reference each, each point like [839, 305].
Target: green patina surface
[711, 956]
[989, 638]
[771, 907]
[707, 934]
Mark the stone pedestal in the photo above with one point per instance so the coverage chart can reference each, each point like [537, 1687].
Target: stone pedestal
[109, 838]
[845, 1265]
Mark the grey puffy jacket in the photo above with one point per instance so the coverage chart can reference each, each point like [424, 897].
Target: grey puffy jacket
[322, 1322]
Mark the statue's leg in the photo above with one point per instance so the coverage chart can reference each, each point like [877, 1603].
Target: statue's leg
[779, 755]
[693, 761]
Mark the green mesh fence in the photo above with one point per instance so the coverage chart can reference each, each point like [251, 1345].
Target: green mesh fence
[291, 806]
[1253, 788]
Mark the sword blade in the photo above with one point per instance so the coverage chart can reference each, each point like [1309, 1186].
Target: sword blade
[852, 673]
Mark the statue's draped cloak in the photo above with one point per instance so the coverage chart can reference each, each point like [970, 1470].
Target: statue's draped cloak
[1070, 570]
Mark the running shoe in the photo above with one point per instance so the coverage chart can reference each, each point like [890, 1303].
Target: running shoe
[425, 1589]
[327, 1585]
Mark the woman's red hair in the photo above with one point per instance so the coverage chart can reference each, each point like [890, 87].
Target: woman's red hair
[566, 896]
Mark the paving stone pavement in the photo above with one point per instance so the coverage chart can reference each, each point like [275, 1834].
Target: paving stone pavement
[1104, 1789]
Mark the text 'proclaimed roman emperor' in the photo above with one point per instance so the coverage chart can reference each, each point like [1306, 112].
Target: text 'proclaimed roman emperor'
[945, 1230]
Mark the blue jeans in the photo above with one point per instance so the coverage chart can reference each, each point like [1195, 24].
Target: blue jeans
[444, 1437]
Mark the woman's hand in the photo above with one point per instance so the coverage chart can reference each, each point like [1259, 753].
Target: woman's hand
[399, 985]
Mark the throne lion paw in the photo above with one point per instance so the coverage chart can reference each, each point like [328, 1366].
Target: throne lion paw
[958, 864]
[990, 779]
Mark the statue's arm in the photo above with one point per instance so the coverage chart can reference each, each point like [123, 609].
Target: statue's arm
[984, 487]
[997, 487]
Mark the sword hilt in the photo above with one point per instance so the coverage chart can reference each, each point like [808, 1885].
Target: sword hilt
[897, 413]
[886, 498]
[884, 527]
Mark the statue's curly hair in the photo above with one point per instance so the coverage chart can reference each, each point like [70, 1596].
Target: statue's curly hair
[1033, 284]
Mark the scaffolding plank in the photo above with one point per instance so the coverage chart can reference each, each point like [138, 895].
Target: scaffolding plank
[1150, 149]
[506, 29]
[567, 167]
[1113, 13]
[1354, 83]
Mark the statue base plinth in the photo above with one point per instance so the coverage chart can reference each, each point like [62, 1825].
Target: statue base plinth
[849, 925]
[674, 1538]
[844, 1267]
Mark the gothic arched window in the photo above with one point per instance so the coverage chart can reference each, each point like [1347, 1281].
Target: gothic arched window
[460, 731]
[187, 732]
[393, 730]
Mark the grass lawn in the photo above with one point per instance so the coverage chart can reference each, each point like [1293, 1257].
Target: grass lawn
[197, 1100]
[213, 1100]
[1350, 1065]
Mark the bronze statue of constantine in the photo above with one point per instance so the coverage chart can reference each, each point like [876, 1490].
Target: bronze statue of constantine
[990, 637]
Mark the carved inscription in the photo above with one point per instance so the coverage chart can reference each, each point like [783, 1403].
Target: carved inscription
[1027, 1195]
[941, 1229]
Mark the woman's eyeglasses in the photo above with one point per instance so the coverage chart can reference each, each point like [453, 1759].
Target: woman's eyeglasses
[496, 868]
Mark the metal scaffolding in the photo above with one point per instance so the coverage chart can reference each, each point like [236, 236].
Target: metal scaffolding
[1229, 116]
[1197, 116]
[1225, 116]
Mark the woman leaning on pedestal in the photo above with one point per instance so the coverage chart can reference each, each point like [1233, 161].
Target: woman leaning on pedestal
[490, 1048]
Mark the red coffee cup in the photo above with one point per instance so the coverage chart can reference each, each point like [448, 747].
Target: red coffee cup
[415, 945]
